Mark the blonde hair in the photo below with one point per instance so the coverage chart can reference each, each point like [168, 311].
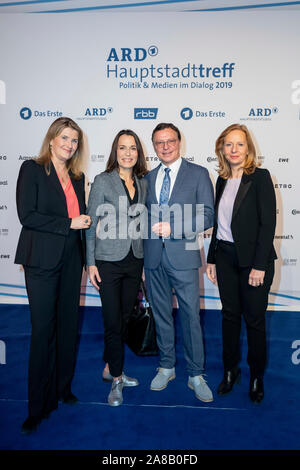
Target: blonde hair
[75, 163]
[251, 162]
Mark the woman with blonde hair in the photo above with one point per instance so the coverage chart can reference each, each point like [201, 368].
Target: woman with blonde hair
[241, 254]
[51, 209]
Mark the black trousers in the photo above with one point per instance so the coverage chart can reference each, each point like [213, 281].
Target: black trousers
[53, 296]
[240, 299]
[120, 282]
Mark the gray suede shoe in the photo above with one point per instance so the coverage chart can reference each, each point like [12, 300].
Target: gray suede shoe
[200, 387]
[162, 378]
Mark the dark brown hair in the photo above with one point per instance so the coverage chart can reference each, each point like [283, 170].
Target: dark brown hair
[140, 168]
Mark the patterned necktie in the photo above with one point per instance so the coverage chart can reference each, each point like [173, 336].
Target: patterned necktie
[165, 189]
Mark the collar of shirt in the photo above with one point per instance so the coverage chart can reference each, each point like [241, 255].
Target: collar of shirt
[174, 167]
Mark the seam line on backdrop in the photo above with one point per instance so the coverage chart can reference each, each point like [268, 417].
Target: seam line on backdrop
[141, 405]
[29, 2]
[247, 7]
[98, 7]
[161, 2]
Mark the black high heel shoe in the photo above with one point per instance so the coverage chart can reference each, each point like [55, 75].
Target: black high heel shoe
[256, 389]
[230, 378]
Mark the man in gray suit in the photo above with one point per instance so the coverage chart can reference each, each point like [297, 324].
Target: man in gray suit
[180, 205]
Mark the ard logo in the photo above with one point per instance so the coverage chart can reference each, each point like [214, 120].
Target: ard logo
[127, 54]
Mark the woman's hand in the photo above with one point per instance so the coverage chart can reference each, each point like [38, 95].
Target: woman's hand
[82, 221]
[256, 278]
[211, 273]
[94, 276]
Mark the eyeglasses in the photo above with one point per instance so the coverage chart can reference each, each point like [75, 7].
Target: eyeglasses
[169, 142]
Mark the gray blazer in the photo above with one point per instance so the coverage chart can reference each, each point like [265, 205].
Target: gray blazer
[116, 226]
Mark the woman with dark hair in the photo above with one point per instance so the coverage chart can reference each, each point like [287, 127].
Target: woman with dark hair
[115, 249]
[241, 254]
[51, 209]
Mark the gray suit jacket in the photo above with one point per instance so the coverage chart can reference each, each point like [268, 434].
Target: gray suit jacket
[120, 224]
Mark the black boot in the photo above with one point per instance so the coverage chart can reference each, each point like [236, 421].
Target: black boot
[256, 389]
[230, 377]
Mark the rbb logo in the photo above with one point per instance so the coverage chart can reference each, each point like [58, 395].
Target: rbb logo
[126, 54]
[263, 112]
[145, 113]
[296, 354]
[2, 92]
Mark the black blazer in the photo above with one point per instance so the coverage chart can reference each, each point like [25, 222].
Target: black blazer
[253, 220]
[43, 213]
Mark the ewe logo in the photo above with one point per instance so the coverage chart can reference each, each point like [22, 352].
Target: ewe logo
[127, 54]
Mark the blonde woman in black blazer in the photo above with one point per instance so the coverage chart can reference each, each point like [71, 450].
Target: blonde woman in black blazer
[51, 209]
[241, 254]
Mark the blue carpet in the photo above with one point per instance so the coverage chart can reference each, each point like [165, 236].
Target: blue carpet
[148, 420]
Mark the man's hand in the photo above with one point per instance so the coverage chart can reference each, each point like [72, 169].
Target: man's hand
[162, 229]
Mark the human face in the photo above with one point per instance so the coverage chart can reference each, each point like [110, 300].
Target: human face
[64, 145]
[235, 149]
[127, 153]
[167, 146]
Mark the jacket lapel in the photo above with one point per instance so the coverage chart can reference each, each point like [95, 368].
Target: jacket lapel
[152, 181]
[242, 191]
[220, 189]
[55, 183]
[181, 175]
[139, 189]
